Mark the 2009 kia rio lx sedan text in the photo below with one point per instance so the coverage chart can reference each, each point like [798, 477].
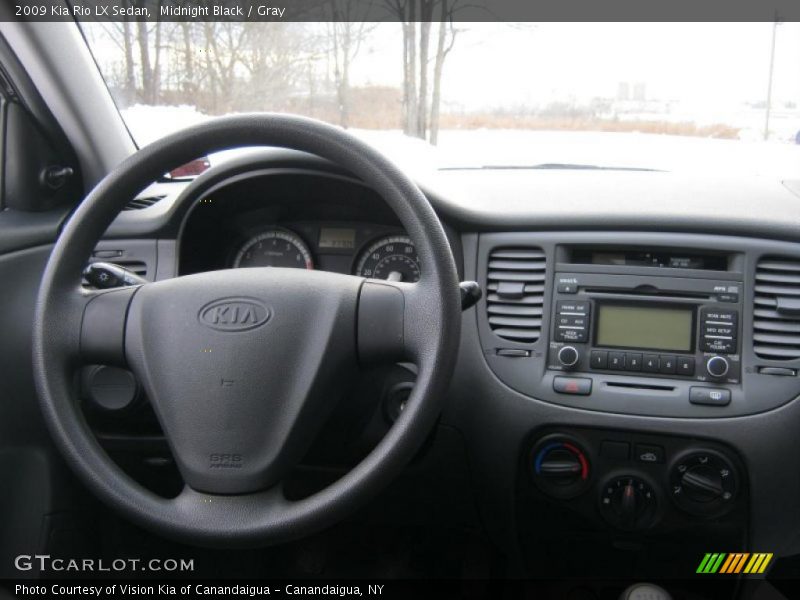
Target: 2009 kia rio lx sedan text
[373, 307]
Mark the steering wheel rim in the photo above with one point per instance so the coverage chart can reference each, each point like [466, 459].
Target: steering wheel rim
[248, 515]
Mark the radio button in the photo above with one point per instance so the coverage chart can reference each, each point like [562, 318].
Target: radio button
[573, 307]
[650, 363]
[720, 346]
[668, 364]
[710, 329]
[616, 361]
[571, 335]
[567, 288]
[599, 359]
[723, 315]
[633, 362]
[685, 365]
[566, 321]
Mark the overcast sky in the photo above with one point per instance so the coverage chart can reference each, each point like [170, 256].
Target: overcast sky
[711, 69]
[705, 64]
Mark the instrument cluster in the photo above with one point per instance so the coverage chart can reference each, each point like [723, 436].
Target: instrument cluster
[370, 251]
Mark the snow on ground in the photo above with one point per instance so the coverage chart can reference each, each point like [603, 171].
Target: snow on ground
[150, 123]
[493, 147]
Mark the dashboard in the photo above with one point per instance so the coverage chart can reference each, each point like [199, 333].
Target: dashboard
[638, 338]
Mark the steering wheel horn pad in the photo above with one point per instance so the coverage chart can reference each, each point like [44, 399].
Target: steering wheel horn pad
[263, 355]
[243, 366]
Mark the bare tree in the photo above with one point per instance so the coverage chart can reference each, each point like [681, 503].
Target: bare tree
[278, 61]
[421, 108]
[347, 29]
[121, 34]
[143, 39]
[443, 47]
[188, 84]
[224, 47]
[410, 70]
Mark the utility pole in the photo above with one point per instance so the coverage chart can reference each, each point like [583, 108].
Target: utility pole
[769, 81]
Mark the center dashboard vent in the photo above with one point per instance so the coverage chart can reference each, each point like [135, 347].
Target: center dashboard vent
[515, 300]
[776, 309]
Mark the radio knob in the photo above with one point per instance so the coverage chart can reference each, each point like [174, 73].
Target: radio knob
[568, 356]
[717, 366]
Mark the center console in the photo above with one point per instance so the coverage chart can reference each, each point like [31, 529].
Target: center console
[635, 354]
[672, 325]
[663, 327]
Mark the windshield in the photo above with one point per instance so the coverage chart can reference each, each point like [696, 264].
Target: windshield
[662, 96]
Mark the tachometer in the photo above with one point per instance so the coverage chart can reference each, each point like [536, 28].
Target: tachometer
[274, 248]
[393, 258]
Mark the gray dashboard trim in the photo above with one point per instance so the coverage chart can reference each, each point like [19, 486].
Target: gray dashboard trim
[514, 200]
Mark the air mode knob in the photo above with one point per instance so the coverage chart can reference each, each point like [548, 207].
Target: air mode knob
[717, 366]
[568, 356]
[704, 482]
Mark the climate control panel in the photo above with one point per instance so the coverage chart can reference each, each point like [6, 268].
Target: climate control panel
[632, 481]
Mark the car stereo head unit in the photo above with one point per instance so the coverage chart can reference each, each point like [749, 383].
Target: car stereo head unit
[662, 326]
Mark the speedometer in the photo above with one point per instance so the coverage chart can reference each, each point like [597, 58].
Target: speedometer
[393, 258]
[274, 248]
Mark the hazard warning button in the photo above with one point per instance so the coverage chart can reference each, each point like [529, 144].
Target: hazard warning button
[580, 386]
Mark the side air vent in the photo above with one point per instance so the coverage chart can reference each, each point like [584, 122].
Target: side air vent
[136, 266]
[515, 286]
[143, 202]
[776, 310]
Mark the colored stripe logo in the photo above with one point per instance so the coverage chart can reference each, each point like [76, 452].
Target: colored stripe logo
[735, 562]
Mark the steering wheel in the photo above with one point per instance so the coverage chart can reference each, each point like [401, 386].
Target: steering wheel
[242, 366]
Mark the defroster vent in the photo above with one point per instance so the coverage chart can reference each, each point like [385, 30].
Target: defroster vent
[776, 310]
[515, 299]
[143, 202]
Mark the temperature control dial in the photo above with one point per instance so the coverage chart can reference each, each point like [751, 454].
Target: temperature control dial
[560, 466]
[704, 483]
[628, 502]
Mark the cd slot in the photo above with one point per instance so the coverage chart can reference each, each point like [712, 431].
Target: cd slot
[640, 386]
[645, 292]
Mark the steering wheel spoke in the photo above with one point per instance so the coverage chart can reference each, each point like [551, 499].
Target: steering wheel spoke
[392, 321]
[103, 321]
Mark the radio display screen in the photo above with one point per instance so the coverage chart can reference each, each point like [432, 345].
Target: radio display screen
[645, 327]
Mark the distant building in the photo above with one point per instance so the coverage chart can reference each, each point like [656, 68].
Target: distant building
[623, 91]
[639, 92]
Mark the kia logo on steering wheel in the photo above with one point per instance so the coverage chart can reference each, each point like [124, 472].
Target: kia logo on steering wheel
[234, 314]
